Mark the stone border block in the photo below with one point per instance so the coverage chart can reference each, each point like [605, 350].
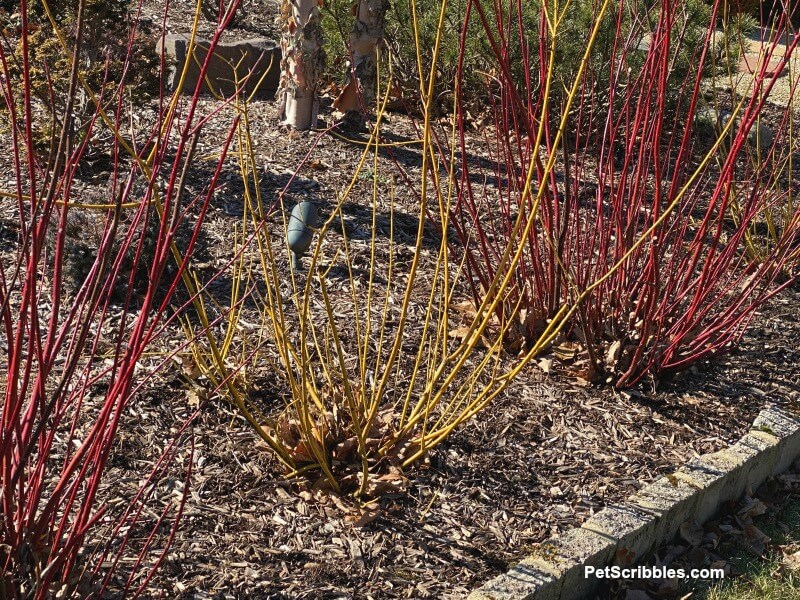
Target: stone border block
[628, 526]
[786, 428]
[708, 482]
[626, 532]
[671, 500]
[570, 553]
[765, 446]
[555, 570]
[530, 579]
[733, 468]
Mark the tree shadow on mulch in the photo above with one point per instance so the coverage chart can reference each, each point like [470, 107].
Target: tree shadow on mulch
[400, 150]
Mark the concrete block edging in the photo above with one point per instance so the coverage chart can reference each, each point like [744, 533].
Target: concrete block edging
[625, 533]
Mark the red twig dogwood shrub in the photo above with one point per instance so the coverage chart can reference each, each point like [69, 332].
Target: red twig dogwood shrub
[620, 224]
[72, 362]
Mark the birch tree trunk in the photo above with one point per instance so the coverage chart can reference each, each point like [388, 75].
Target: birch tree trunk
[365, 36]
[303, 57]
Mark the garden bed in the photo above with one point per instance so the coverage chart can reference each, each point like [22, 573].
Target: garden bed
[547, 454]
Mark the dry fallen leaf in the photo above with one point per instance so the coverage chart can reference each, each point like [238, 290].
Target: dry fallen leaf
[390, 483]
[669, 588]
[722, 564]
[756, 540]
[465, 307]
[692, 533]
[318, 165]
[793, 561]
[581, 381]
[545, 364]
[753, 533]
[460, 333]
[753, 508]
[612, 356]
[565, 352]
[364, 515]
[789, 478]
[193, 398]
[625, 556]
[188, 366]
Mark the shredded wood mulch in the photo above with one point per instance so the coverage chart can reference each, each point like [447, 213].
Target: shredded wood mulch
[541, 459]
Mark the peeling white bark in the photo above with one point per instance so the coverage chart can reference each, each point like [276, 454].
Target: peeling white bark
[365, 37]
[303, 56]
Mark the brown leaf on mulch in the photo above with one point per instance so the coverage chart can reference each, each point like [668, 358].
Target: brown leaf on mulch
[363, 516]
